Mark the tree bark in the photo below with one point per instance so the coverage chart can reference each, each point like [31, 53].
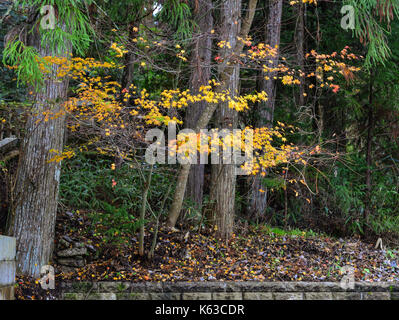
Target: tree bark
[147, 184]
[258, 199]
[35, 195]
[223, 175]
[135, 16]
[200, 75]
[128, 72]
[369, 157]
[300, 42]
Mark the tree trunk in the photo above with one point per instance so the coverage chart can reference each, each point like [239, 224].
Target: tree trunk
[200, 75]
[300, 34]
[35, 196]
[147, 184]
[223, 175]
[258, 200]
[369, 157]
[128, 72]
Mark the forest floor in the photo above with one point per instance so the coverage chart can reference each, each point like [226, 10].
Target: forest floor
[257, 253]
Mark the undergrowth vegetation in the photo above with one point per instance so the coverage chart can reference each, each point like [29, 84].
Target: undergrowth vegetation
[112, 196]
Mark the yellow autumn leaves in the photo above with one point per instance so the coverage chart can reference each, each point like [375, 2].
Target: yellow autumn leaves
[101, 101]
[294, 2]
[120, 50]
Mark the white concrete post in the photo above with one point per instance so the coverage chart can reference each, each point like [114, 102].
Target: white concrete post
[7, 267]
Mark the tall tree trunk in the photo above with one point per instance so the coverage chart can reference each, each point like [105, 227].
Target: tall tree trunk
[369, 157]
[300, 42]
[128, 72]
[225, 71]
[200, 75]
[143, 15]
[147, 185]
[35, 196]
[223, 175]
[258, 200]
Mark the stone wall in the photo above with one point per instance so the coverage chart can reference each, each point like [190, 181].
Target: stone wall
[7, 268]
[249, 290]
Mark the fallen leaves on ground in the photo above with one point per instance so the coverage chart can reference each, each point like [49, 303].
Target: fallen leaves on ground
[256, 255]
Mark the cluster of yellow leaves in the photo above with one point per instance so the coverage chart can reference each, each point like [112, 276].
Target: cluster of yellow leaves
[96, 100]
[328, 66]
[326, 69]
[181, 56]
[288, 79]
[223, 43]
[59, 156]
[268, 153]
[47, 115]
[240, 103]
[294, 2]
[247, 41]
[74, 67]
[178, 99]
[120, 50]
[262, 51]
